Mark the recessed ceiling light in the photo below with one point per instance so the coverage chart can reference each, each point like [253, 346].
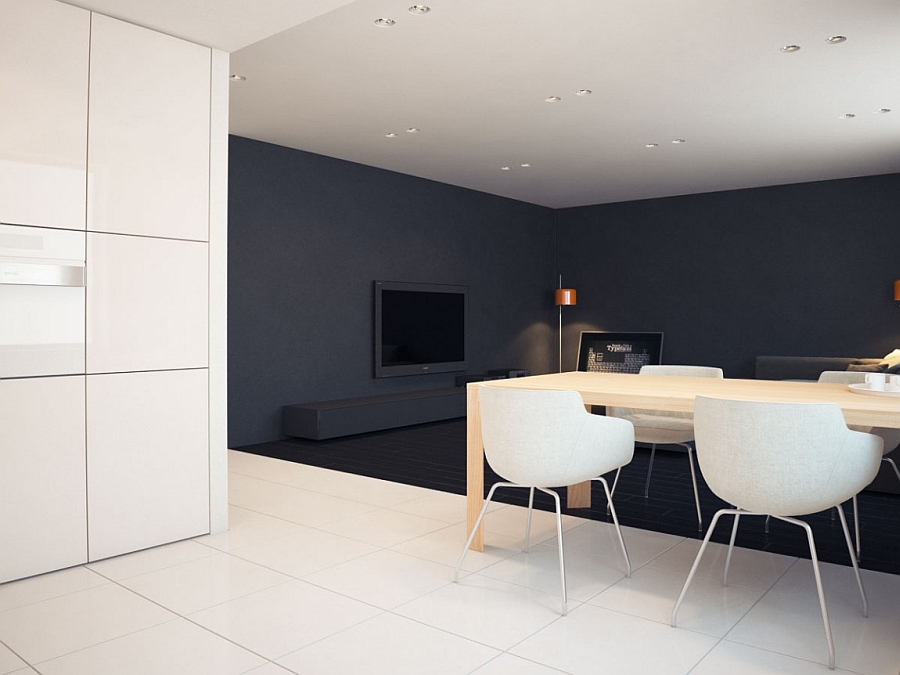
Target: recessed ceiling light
[790, 48]
[652, 145]
[413, 130]
[583, 92]
[419, 9]
[882, 111]
[847, 116]
[679, 141]
[237, 78]
[526, 165]
[384, 23]
[504, 168]
[553, 99]
[390, 135]
[835, 39]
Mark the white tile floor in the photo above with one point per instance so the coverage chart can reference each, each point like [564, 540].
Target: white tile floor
[328, 573]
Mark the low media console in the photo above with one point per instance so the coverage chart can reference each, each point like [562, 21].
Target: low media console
[345, 417]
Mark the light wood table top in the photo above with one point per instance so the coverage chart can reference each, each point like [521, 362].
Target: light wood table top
[656, 392]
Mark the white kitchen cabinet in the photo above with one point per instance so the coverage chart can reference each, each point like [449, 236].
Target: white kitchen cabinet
[147, 303]
[147, 459]
[148, 157]
[43, 519]
[44, 47]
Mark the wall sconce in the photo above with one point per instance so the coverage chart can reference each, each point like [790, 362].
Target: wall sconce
[896, 291]
[564, 296]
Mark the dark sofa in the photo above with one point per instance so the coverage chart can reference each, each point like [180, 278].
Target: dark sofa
[804, 367]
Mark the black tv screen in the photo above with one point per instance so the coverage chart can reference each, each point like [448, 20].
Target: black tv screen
[419, 328]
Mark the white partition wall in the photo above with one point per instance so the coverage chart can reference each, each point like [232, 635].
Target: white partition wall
[147, 459]
[43, 520]
[147, 304]
[130, 452]
[148, 157]
[43, 119]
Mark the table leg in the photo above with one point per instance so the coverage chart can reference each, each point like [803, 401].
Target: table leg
[474, 467]
[579, 496]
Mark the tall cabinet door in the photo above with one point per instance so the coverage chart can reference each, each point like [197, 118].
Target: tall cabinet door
[43, 519]
[44, 48]
[147, 459]
[148, 158]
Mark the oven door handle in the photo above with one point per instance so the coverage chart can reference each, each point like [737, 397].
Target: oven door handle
[37, 274]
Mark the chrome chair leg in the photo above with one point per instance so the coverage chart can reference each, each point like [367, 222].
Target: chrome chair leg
[690, 578]
[893, 465]
[612, 510]
[528, 523]
[487, 502]
[856, 527]
[649, 470]
[690, 452]
[734, 529]
[853, 561]
[613, 490]
[559, 539]
[818, 576]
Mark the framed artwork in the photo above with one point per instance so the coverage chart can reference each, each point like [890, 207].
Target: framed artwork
[618, 352]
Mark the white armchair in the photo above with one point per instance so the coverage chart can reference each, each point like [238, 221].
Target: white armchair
[543, 439]
[782, 460]
[665, 427]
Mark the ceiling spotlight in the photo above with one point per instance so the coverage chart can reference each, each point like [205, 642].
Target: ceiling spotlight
[553, 99]
[679, 141]
[836, 39]
[419, 9]
[583, 92]
[526, 165]
[652, 145]
[790, 48]
[847, 116]
[882, 111]
[384, 23]
[390, 135]
[504, 168]
[412, 130]
[237, 78]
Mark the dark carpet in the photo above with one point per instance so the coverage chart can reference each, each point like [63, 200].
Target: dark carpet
[434, 456]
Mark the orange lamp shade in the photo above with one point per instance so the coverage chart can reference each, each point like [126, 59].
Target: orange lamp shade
[566, 296]
[896, 291]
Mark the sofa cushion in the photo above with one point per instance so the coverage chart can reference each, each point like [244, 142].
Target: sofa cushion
[892, 359]
[867, 367]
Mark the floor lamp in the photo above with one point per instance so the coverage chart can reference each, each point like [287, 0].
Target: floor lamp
[564, 296]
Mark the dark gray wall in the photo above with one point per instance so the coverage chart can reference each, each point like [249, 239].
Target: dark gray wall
[802, 269]
[307, 236]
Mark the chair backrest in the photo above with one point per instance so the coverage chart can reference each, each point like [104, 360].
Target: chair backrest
[785, 459]
[842, 377]
[547, 438]
[891, 437]
[675, 371]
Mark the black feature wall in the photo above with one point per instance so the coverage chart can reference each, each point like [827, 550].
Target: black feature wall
[803, 269]
[308, 235]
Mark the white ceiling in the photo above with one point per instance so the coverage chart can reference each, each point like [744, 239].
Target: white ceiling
[472, 76]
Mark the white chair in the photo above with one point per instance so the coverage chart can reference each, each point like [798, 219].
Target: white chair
[543, 439]
[664, 427]
[781, 460]
[890, 437]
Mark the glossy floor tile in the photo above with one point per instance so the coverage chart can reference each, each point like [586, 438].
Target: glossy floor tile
[323, 572]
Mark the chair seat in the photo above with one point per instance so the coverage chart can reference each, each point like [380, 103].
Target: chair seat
[659, 428]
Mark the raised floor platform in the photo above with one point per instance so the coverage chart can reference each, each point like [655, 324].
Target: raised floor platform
[346, 417]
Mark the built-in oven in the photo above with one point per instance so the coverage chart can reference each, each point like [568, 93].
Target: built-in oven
[42, 296]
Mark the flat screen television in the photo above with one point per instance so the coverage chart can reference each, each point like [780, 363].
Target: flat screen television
[419, 328]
